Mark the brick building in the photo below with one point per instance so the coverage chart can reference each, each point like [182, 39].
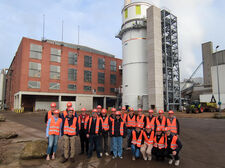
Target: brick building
[46, 71]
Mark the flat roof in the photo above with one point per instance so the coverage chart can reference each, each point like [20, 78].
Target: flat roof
[80, 47]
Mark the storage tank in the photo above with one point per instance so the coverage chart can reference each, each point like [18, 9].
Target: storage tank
[133, 35]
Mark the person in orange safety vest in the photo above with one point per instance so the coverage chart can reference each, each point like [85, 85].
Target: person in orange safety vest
[130, 124]
[150, 119]
[173, 123]
[141, 120]
[161, 121]
[159, 144]
[137, 136]
[53, 132]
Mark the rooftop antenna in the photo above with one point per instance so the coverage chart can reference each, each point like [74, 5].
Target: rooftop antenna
[43, 37]
[62, 29]
[78, 34]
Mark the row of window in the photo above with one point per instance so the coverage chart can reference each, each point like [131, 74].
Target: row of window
[35, 71]
[72, 87]
[36, 53]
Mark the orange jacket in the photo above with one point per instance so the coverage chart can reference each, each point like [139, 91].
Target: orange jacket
[54, 128]
[105, 123]
[151, 123]
[136, 141]
[131, 122]
[162, 124]
[173, 144]
[85, 121]
[149, 140]
[141, 120]
[160, 144]
[173, 125]
[70, 130]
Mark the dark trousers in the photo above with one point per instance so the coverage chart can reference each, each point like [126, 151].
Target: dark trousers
[168, 154]
[94, 140]
[104, 142]
[129, 136]
[84, 141]
[158, 153]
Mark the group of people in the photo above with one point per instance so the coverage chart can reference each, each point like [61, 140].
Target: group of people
[145, 135]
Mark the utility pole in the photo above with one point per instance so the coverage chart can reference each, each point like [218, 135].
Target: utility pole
[218, 80]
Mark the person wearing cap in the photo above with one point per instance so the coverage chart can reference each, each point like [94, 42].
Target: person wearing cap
[117, 132]
[65, 113]
[123, 113]
[111, 117]
[83, 121]
[50, 113]
[136, 142]
[173, 123]
[71, 130]
[141, 120]
[160, 120]
[99, 108]
[146, 148]
[94, 130]
[105, 132]
[172, 147]
[159, 144]
[130, 124]
[150, 119]
[53, 133]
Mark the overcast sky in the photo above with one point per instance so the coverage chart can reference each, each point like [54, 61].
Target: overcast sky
[100, 20]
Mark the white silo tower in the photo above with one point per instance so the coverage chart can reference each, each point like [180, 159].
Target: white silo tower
[133, 34]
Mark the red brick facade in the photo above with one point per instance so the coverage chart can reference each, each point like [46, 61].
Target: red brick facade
[19, 69]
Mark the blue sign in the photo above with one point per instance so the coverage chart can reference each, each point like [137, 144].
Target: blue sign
[219, 103]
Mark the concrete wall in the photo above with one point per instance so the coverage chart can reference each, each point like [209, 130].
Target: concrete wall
[207, 50]
[221, 71]
[154, 50]
[84, 101]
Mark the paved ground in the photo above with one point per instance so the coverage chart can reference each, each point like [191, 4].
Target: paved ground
[203, 145]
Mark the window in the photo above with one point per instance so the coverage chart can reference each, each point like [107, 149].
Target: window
[72, 58]
[113, 79]
[126, 13]
[55, 86]
[34, 84]
[34, 70]
[54, 72]
[72, 87]
[138, 9]
[87, 76]
[87, 61]
[72, 74]
[112, 90]
[101, 63]
[113, 66]
[101, 77]
[35, 51]
[101, 89]
[87, 88]
[68, 98]
[55, 55]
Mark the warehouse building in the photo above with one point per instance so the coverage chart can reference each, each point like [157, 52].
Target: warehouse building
[50, 71]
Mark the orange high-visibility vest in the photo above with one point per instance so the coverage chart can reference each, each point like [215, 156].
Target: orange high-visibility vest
[149, 140]
[49, 114]
[173, 125]
[160, 144]
[54, 128]
[121, 127]
[105, 123]
[162, 124]
[141, 120]
[70, 130]
[151, 123]
[136, 141]
[124, 116]
[85, 121]
[97, 124]
[65, 113]
[173, 144]
[131, 122]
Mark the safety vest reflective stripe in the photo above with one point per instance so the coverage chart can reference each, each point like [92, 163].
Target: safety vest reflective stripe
[105, 124]
[149, 140]
[54, 128]
[136, 141]
[150, 123]
[162, 124]
[70, 130]
[131, 122]
[160, 144]
[96, 126]
[141, 120]
[121, 127]
[173, 145]
[173, 125]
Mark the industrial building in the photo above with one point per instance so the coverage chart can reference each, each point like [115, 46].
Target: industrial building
[50, 71]
[213, 73]
[151, 75]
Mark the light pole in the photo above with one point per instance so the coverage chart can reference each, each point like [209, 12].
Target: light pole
[218, 80]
